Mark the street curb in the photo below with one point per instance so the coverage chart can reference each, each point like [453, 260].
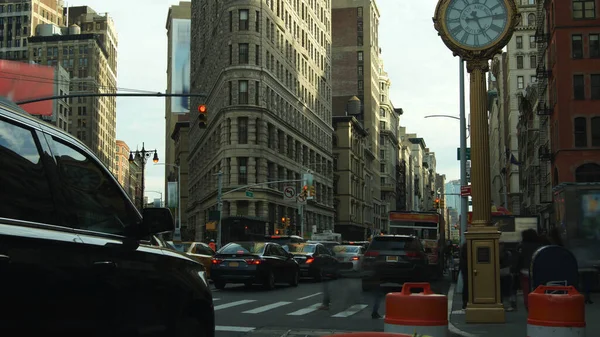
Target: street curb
[451, 326]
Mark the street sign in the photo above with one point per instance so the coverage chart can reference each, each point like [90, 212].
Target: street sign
[289, 193]
[465, 191]
[250, 194]
[301, 199]
[458, 153]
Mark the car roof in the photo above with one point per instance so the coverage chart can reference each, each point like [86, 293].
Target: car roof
[395, 236]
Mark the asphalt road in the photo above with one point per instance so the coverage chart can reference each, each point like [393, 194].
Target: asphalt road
[256, 312]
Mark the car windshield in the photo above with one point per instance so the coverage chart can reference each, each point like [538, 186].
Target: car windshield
[241, 248]
[300, 248]
[346, 249]
[181, 246]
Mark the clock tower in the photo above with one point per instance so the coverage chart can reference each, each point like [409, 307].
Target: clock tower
[476, 30]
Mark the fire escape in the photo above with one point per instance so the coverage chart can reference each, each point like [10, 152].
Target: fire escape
[544, 108]
[401, 204]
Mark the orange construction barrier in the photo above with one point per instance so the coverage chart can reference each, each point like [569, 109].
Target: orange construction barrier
[371, 334]
[424, 313]
[556, 315]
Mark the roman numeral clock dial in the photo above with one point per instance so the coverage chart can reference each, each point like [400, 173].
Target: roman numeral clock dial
[476, 24]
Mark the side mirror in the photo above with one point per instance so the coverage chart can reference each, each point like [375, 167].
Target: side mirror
[156, 221]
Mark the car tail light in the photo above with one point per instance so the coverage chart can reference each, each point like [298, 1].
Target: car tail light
[253, 262]
[372, 254]
[216, 261]
[355, 258]
[412, 254]
[310, 260]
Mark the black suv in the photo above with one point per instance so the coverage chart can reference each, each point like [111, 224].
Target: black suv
[394, 258]
[76, 256]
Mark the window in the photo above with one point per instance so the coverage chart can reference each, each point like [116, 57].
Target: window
[532, 44]
[578, 87]
[519, 42]
[257, 55]
[531, 19]
[359, 55]
[24, 192]
[242, 92]
[230, 21]
[230, 54]
[243, 24]
[520, 82]
[595, 131]
[381, 125]
[519, 62]
[230, 93]
[580, 130]
[359, 12]
[533, 79]
[257, 23]
[532, 61]
[242, 130]
[256, 93]
[242, 171]
[361, 85]
[96, 203]
[595, 86]
[584, 9]
[243, 53]
[594, 45]
[360, 71]
[577, 46]
[382, 168]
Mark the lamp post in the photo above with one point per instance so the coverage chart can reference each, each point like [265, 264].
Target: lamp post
[177, 234]
[143, 155]
[160, 193]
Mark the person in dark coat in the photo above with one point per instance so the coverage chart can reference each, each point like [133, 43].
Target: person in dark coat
[530, 243]
[465, 277]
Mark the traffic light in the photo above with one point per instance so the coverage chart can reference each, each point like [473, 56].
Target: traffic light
[304, 191]
[288, 222]
[202, 116]
[437, 203]
[313, 193]
[283, 222]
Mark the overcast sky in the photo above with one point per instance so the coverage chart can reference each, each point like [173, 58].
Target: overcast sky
[423, 72]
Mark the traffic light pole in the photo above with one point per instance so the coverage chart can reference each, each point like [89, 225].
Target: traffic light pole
[220, 196]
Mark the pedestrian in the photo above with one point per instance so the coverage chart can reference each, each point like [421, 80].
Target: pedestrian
[465, 277]
[506, 276]
[326, 296]
[379, 293]
[530, 243]
[212, 245]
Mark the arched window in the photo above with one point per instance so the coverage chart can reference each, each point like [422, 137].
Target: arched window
[588, 173]
[531, 19]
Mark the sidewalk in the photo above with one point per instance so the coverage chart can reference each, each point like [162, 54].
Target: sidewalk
[516, 321]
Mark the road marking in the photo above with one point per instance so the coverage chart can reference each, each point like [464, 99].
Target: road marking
[233, 304]
[233, 328]
[309, 296]
[216, 299]
[351, 311]
[306, 310]
[266, 307]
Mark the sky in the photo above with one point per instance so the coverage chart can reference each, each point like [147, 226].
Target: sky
[423, 72]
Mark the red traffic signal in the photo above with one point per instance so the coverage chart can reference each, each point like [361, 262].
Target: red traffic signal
[202, 116]
[202, 108]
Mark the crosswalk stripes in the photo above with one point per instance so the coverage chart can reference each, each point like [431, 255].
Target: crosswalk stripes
[280, 307]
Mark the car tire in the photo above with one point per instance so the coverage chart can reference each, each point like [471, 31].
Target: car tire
[295, 278]
[219, 285]
[269, 282]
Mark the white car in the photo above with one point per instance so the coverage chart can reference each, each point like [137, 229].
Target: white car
[348, 253]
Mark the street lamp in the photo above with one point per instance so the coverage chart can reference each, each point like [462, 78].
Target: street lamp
[143, 155]
[177, 234]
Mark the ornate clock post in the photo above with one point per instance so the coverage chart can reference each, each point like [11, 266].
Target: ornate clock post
[477, 30]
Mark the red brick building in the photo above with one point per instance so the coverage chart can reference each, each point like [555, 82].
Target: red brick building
[573, 64]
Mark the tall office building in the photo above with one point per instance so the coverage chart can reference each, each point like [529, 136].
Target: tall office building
[356, 73]
[266, 69]
[177, 109]
[19, 20]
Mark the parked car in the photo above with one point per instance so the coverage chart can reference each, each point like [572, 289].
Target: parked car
[266, 263]
[284, 239]
[394, 258]
[76, 256]
[314, 260]
[202, 252]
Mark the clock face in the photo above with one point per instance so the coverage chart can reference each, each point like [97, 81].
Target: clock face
[476, 24]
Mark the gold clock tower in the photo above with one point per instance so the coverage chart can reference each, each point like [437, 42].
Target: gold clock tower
[477, 30]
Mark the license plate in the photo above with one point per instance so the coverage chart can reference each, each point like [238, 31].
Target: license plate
[234, 264]
[391, 259]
